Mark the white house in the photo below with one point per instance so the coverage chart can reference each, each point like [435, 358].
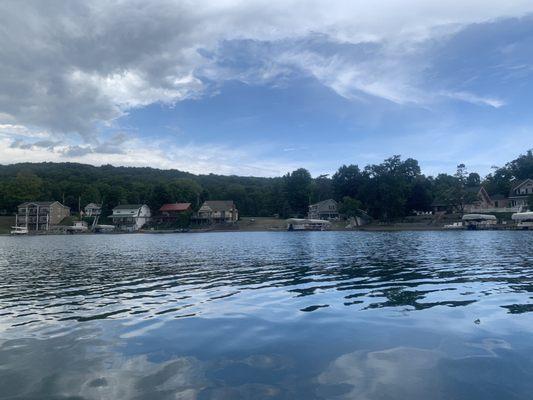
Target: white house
[92, 210]
[130, 217]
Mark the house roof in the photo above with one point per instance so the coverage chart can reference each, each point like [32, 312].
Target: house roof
[93, 205]
[219, 205]
[41, 203]
[175, 207]
[498, 196]
[128, 207]
[517, 185]
[323, 202]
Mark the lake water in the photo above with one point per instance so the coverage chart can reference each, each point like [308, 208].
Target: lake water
[281, 315]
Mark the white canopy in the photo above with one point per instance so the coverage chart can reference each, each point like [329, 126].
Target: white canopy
[479, 217]
[523, 216]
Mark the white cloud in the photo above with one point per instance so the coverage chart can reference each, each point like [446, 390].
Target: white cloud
[475, 99]
[68, 66]
[133, 151]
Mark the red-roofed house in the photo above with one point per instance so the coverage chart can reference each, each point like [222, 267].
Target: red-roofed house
[173, 211]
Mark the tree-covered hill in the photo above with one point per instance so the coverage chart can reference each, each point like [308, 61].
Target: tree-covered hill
[388, 190]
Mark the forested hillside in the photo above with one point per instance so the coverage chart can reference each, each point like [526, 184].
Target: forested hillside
[388, 190]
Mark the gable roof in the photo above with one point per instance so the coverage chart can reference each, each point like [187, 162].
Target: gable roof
[175, 207]
[516, 186]
[41, 203]
[128, 207]
[93, 205]
[219, 205]
[323, 202]
[520, 183]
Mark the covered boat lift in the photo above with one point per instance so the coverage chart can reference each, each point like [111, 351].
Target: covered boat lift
[474, 221]
[523, 220]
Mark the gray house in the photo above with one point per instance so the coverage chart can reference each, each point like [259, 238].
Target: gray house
[217, 211]
[41, 215]
[327, 209]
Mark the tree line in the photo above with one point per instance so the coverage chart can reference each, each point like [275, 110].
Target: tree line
[386, 191]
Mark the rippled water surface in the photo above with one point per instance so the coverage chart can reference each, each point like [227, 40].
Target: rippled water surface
[308, 315]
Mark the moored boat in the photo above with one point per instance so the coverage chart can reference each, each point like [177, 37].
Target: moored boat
[19, 230]
[301, 224]
[455, 225]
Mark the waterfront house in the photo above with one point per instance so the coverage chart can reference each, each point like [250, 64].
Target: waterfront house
[482, 203]
[325, 210]
[41, 215]
[499, 201]
[482, 199]
[92, 210]
[217, 212]
[520, 193]
[172, 212]
[130, 217]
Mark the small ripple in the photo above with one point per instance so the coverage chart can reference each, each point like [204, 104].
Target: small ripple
[219, 274]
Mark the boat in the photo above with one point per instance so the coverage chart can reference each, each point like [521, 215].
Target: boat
[19, 230]
[455, 225]
[475, 221]
[524, 219]
[78, 227]
[104, 228]
[301, 224]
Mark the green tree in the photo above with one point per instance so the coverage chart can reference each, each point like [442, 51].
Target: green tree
[347, 181]
[321, 189]
[160, 195]
[473, 179]
[350, 207]
[298, 190]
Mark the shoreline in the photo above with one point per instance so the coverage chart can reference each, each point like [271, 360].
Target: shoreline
[368, 228]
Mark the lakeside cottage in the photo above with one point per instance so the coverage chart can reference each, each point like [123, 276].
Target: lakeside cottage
[217, 212]
[324, 210]
[41, 215]
[483, 203]
[172, 212]
[130, 217]
[520, 193]
[92, 210]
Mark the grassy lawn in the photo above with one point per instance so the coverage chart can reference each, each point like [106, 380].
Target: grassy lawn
[6, 223]
[260, 223]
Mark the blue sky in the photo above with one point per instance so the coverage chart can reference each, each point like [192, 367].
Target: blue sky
[261, 88]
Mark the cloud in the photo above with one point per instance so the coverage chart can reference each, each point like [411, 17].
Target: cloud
[68, 67]
[128, 150]
[474, 99]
